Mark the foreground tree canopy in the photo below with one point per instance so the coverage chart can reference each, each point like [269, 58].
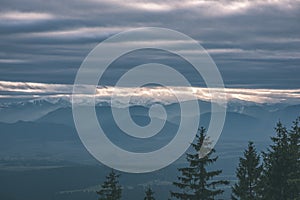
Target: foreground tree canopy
[281, 173]
[196, 181]
[110, 189]
[249, 176]
[149, 194]
[278, 177]
[273, 176]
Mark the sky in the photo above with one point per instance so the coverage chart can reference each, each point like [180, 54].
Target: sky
[255, 44]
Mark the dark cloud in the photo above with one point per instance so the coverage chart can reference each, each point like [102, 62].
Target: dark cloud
[254, 43]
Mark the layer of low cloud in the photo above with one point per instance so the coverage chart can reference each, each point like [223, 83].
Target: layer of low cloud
[147, 95]
[17, 16]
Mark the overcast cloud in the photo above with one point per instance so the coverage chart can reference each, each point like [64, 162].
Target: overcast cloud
[255, 44]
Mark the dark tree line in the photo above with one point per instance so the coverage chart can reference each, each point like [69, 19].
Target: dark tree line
[277, 175]
[271, 175]
[112, 190]
[281, 173]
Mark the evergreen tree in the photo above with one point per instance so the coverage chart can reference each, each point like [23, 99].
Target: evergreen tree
[149, 194]
[277, 167]
[249, 175]
[110, 189]
[294, 175]
[196, 181]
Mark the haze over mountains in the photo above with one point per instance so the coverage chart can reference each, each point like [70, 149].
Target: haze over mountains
[39, 139]
[39, 135]
[31, 122]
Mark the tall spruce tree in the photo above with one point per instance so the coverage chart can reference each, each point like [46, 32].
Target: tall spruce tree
[196, 181]
[149, 194]
[294, 175]
[110, 189]
[249, 176]
[277, 167]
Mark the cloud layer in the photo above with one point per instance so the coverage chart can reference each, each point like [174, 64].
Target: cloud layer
[146, 95]
[255, 44]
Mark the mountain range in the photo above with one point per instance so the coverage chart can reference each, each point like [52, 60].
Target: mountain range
[38, 137]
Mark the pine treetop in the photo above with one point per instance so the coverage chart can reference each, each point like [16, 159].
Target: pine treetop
[196, 180]
[249, 175]
[110, 189]
[149, 194]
